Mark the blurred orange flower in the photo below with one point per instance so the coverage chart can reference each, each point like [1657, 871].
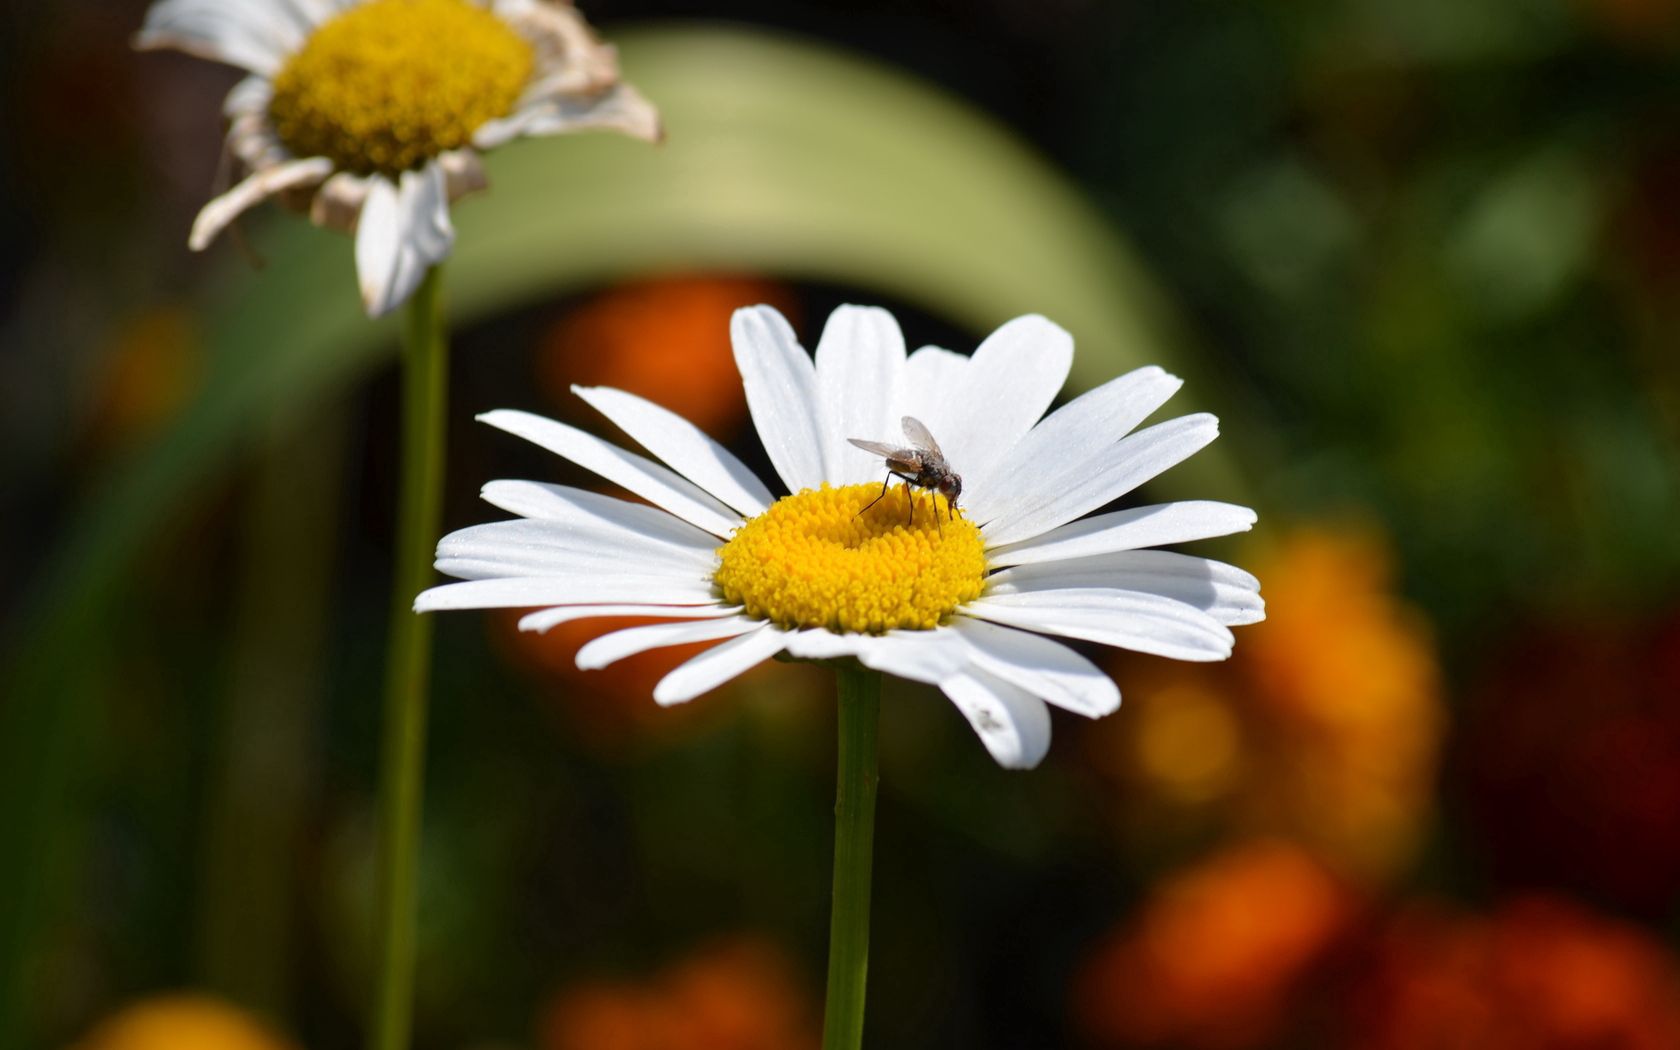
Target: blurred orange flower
[1324, 727]
[1540, 974]
[182, 1022]
[1215, 953]
[738, 994]
[1345, 677]
[666, 339]
[148, 372]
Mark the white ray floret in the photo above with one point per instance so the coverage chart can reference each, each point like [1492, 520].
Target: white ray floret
[1051, 575]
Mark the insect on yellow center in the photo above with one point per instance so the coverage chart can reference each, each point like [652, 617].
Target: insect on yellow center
[389, 84]
[812, 560]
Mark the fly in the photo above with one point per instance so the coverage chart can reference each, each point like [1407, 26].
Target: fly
[921, 464]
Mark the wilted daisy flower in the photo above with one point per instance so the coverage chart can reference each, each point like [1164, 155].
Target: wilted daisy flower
[960, 598]
[370, 114]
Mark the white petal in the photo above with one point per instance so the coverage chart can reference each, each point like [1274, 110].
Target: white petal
[718, 665]
[647, 479]
[1125, 530]
[529, 591]
[1145, 623]
[683, 447]
[314, 12]
[463, 172]
[253, 190]
[919, 656]
[529, 547]
[569, 59]
[934, 379]
[1225, 592]
[1235, 610]
[860, 367]
[257, 35]
[1052, 499]
[249, 98]
[551, 565]
[1012, 723]
[1102, 569]
[1011, 380]
[611, 648]
[338, 204]
[1070, 443]
[1045, 668]
[402, 231]
[543, 619]
[1229, 605]
[583, 509]
[820, 644]
[781, 385]
[252, 140]
[620, 108]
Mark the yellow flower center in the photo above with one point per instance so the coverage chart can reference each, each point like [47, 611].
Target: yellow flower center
[812, 560]
[389, 84]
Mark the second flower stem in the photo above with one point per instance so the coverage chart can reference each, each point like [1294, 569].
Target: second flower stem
[408, 668]
[854, 851]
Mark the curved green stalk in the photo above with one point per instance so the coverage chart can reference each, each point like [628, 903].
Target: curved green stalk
[408, 668]
[854, 851]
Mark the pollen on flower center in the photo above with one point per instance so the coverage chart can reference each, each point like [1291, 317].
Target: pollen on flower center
[812, 560]
[389, 84]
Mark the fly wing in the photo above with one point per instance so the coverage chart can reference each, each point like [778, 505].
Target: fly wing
[904, 459]
[919, 436]
[881, 449]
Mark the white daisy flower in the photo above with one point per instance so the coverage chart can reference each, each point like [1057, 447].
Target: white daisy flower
[970, 599]
[370, 114]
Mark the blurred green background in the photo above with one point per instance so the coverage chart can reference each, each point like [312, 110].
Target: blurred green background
[1422, 259]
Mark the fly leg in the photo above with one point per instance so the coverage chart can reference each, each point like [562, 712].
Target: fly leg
[884, 483]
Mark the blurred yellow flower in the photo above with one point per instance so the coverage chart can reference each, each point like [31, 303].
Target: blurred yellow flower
[1189, 741]
[182, 1022]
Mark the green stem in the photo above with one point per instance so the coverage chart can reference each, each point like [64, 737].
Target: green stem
[854, 848]
[403, 750]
